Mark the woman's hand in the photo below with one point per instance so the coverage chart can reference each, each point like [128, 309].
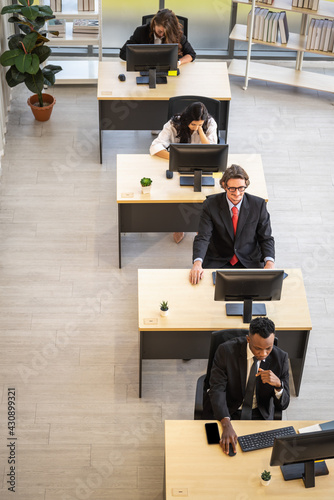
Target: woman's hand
[203, 137]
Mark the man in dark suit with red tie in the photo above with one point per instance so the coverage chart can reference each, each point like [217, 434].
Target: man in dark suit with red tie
[249, 379]
[234, 229]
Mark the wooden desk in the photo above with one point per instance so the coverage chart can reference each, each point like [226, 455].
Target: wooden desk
[204, 472]
[128, 106]
[169, 207]
[193, 315]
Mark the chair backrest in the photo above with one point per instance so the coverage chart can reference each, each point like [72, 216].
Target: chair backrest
[178, 104]
[218, 338]
[182, 20]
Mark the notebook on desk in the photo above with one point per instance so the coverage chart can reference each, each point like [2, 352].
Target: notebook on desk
[326, 426]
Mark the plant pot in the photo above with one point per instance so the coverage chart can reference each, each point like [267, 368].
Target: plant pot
[265, 483]
[164, 313]
[146, 189]
[44, 113]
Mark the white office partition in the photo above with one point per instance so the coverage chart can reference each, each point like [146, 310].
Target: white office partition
[5, 93]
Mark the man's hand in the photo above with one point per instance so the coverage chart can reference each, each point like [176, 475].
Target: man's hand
[268, 377]
[196, 273]
[228, 436]
[269, 265]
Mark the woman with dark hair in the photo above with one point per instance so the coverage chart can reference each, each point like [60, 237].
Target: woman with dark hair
[194, 125]
[164, 28]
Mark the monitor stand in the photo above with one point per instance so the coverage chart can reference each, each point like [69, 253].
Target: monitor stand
[306, 471]
[152, 79]
[197, 180]
[247, 310]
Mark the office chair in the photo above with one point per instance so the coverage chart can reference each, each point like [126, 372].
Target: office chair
[182, 20]
[178, 104]
[202, 400]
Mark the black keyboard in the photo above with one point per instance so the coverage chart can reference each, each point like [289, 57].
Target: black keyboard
[259, 440]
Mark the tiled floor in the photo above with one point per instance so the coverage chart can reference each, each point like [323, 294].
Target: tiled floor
[68, 322]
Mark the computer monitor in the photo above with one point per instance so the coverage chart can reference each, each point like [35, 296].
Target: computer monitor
[197, 159]
[152, 58]
[297, 455]
[247, 285]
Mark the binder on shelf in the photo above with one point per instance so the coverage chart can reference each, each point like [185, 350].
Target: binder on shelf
[266, 26]
[257, 24]
[283, 27]
[294, 3]
[316, 24]
[310, 34]
[92, 5]
[331, 40]
[327, 35]
[80, 5]
[315, 5]
[270, 27]
[249, 17]
[318, 34]
[275, 28]
[263, 13]
[323, 34]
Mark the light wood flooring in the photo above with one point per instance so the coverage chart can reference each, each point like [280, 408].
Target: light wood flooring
[68, 315]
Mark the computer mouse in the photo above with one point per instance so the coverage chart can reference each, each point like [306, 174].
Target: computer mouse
[231, 453]
[169, 174]
[122, 77]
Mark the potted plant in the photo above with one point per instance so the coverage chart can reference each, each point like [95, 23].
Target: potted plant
[145, 185]
[265, 478]
[27, 52]
[164, 308]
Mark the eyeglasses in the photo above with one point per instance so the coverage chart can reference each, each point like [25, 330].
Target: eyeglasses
[241, 189]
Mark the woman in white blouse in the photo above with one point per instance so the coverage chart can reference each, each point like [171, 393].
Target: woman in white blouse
[194, 125]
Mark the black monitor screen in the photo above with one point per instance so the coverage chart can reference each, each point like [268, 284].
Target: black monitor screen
[194, 158]
[151, 58]
[247, 285]
[303, 449]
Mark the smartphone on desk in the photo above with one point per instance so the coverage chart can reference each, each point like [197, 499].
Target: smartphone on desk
[212, 433]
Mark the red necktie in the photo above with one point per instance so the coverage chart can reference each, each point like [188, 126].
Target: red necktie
[235, 217]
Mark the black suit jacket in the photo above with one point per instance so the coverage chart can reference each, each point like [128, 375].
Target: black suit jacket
[215, 242]
[142, 35]
[228, 380]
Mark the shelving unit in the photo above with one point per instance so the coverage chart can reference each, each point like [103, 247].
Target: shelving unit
[296, 43]
[78, 70]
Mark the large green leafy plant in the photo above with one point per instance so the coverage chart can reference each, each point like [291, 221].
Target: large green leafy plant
[27, 50]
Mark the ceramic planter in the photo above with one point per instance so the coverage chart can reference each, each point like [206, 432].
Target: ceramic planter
[146, 189]
[265, 483]
[164, 313]
[44, 113]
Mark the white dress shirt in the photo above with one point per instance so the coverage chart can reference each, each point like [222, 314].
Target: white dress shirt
[168, 135]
